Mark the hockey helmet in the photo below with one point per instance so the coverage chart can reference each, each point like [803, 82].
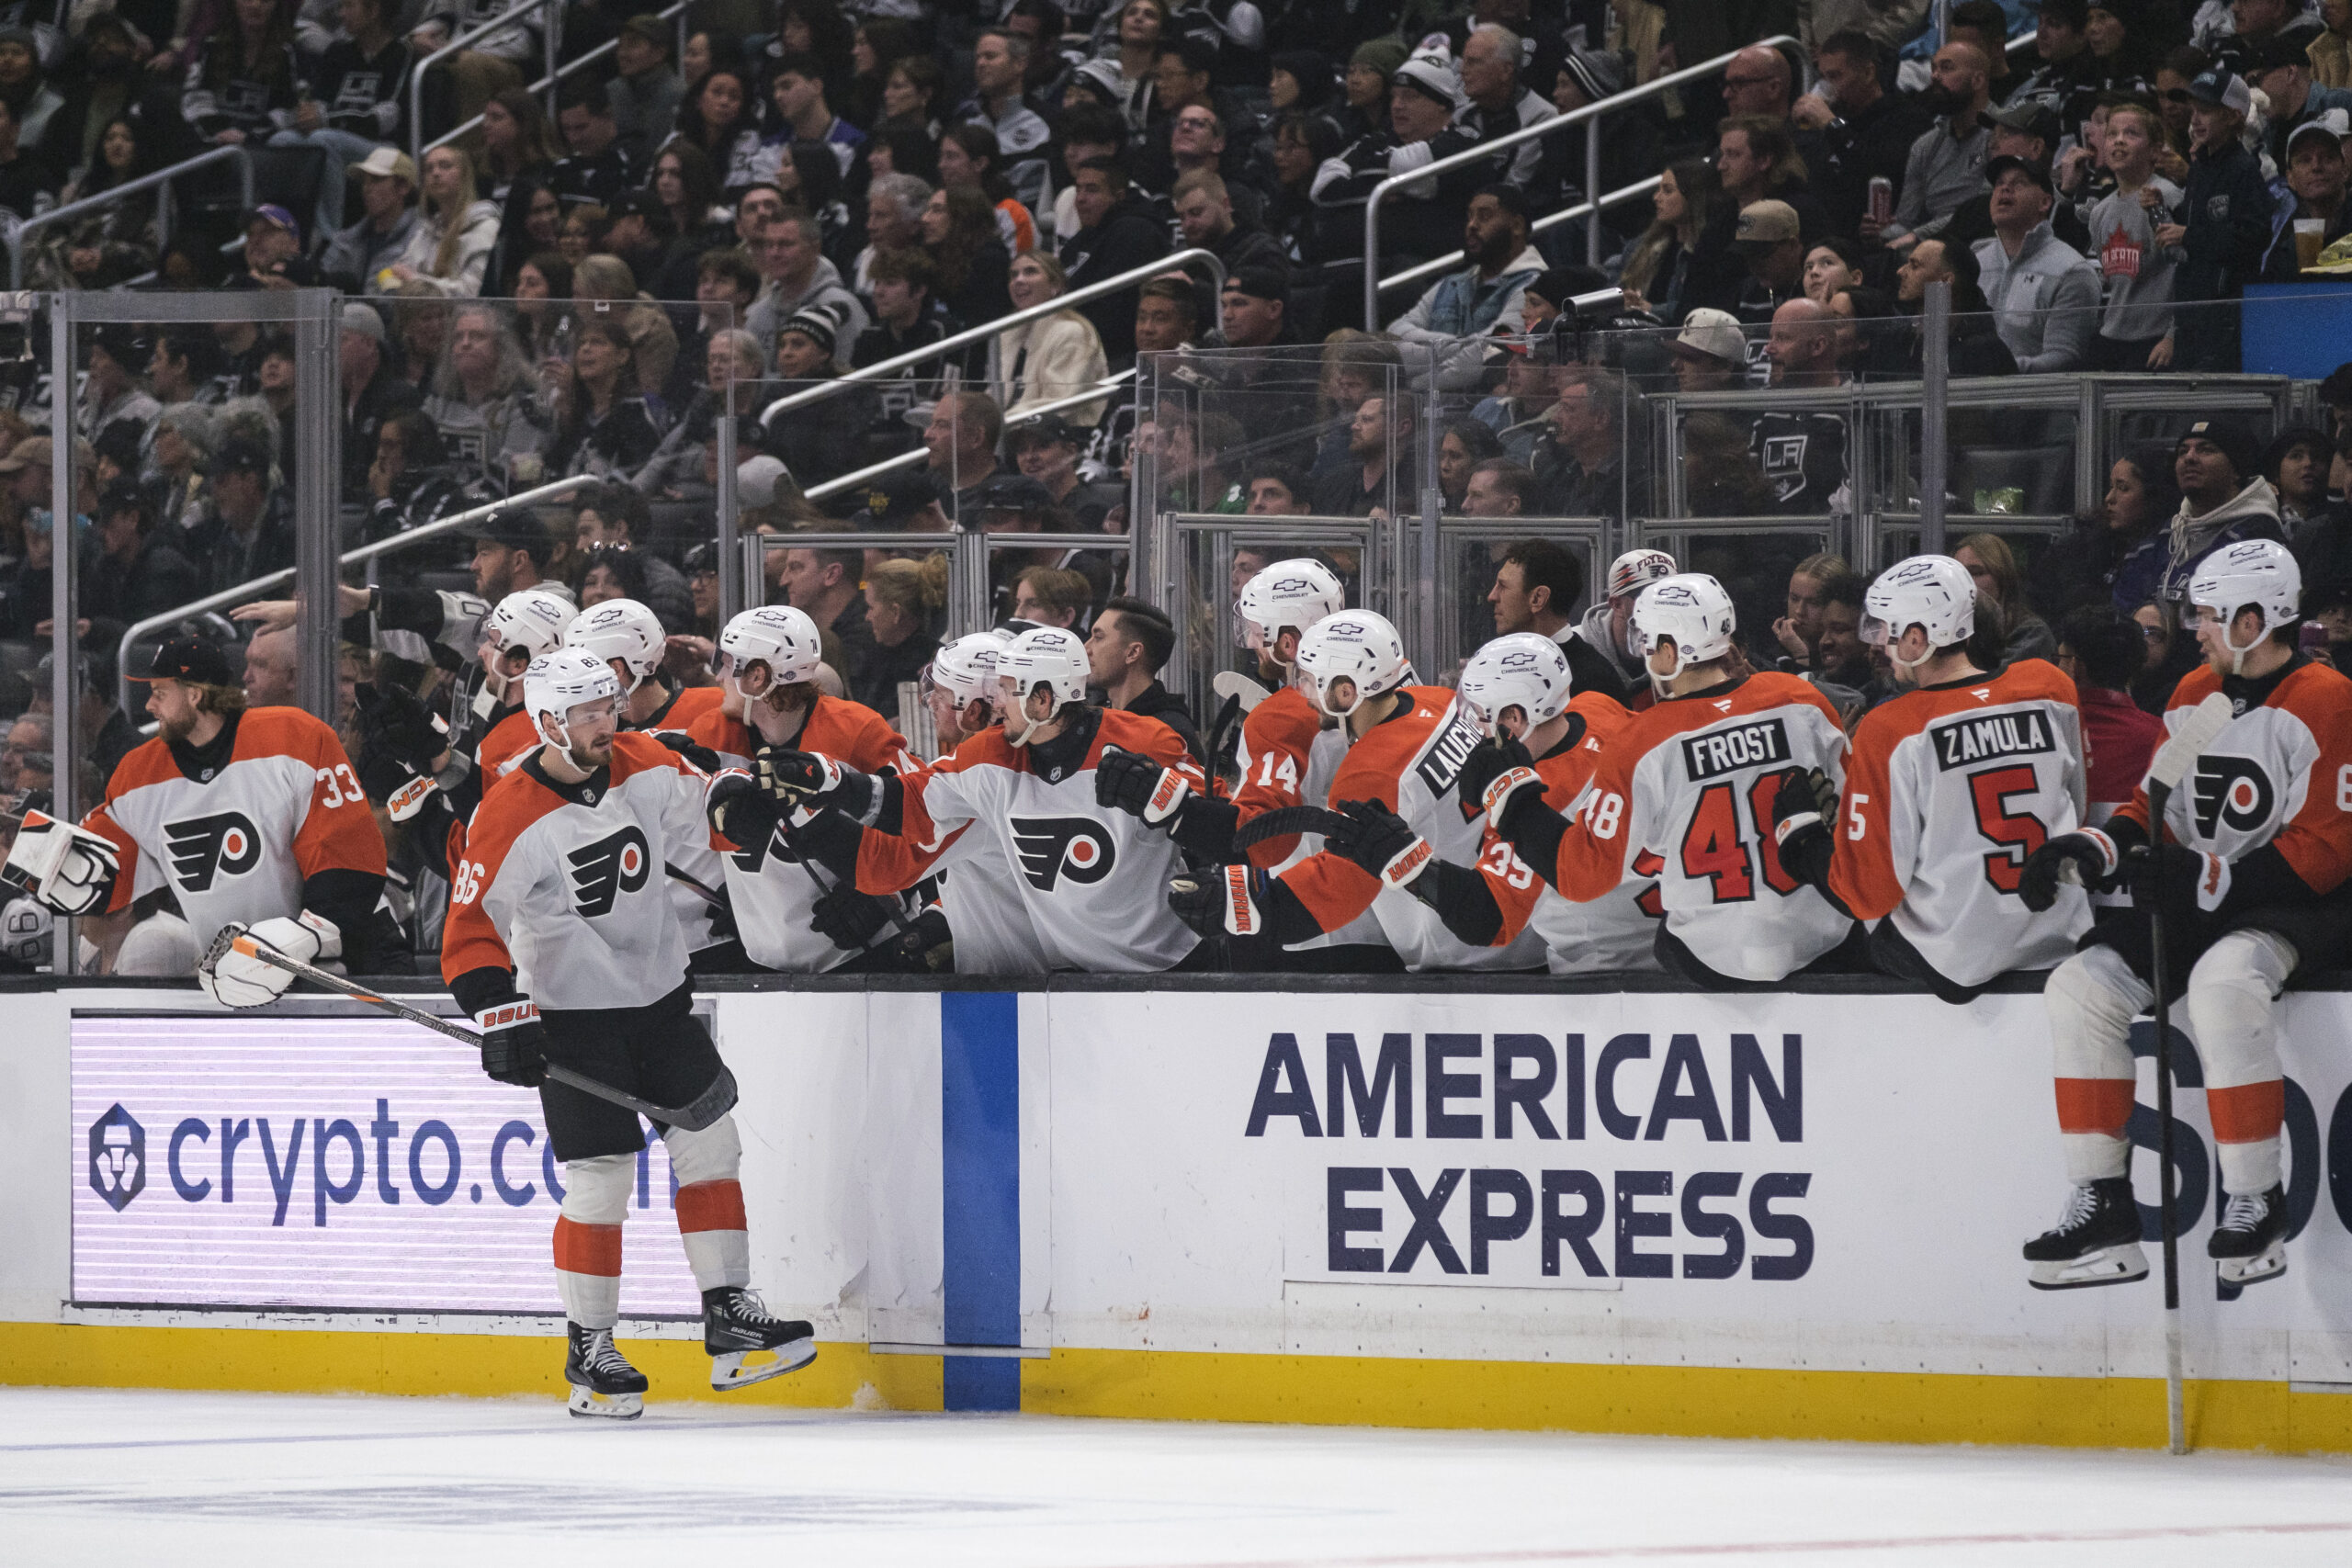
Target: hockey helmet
[1042, 656]
[1636, 569]
[531, 619]
[1525, 670]
[2258, 574]
[778, 636]
[556, 682]
[622, 629]
[1931, 591]
[965, 670]
[1356, 646]
[1296, 593]
[1692, 609]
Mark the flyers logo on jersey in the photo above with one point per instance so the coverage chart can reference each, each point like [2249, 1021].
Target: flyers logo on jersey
[2230, 791]
[1052, 848]
[616, 863]
[2024, 732]
[203, 847]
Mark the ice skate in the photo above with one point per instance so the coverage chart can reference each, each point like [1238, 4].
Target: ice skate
[603, 1383]
[2249, 1245]
[2096, 1242]
[736, 1323]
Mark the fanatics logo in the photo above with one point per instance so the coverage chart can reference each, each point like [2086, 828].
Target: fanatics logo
[225, 845]
[1053, 848]
[612, 865]
[117, 1157]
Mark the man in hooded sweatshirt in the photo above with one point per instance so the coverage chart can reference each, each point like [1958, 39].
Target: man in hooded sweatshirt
[2224, 498]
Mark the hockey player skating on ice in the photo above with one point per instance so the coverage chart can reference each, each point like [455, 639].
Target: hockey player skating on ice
[1406, 747]
[1949, 788]
[2249, 866]
[768, 660]
[563, 943]
[1684, 793]
[253, 818]
[1538, 739]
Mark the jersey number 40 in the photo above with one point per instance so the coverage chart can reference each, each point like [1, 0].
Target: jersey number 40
[1730, 854]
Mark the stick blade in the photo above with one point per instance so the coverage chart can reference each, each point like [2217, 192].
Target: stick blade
[1235, 684]
[2199, 729]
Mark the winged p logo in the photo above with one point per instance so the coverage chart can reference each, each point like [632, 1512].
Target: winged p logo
[616, 863]
[201, 847]
[1052, 848]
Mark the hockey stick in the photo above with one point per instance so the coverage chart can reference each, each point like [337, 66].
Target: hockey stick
[2171, 764]
[825, 888]
[705, 1109]
[1286, 819]
[707, 894]
[1240, 687]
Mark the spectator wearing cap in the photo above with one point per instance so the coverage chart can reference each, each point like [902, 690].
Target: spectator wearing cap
[1116, 234]
[357, 100]
[1128, 647]
[645, 94]
[2315, 171]
[2235, 35]
[1046, 450]
[2135, 329]
[1255, 310]
[1015, 503]
[27, 472]
[2224, 501]
[110, 389]
[1495, 102]
[371, 391]
[1770, 240]
[357, 253]
[2044, 293]
[512, 551]
[1420, 220]
[2229, 230]
[1946, 164]
[2283, 71]
[1865, 131]
[1051, 358]
[2030, 131]
[1486, 298]
[1516, 411]
[250, 529]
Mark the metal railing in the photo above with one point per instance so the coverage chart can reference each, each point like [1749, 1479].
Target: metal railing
[549, 83]
[1590, 115]
[907, 459]
[108, 198]
[1452, 259]
[836, 386]
[244, 592]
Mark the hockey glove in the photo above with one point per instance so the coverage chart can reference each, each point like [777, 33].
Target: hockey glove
[397, 723]
[849, 919]
[738, 812]
[813, 781]
[1224, 900]
[1139, 787]
[702, 757]
[2086, 858]
[512, 1042]
[67, 870]
[2181, 882]
[1806, 797]
[1381, 842]
[1487, 762]
[238, 980]
[930, 948]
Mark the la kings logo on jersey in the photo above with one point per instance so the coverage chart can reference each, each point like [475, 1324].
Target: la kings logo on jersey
[2231, 792]
[201, 847]
[1052, 848]
[616, 863]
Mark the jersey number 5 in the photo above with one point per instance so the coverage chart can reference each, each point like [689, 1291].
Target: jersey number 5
[1718, 847]
[2018, 833]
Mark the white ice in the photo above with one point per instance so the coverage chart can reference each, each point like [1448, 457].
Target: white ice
[193, 1479]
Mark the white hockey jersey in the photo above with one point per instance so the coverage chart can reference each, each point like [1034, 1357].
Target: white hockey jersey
[1949, 788]
[1685, 795]
[1093, 880]
[569, 887]
[239, 842]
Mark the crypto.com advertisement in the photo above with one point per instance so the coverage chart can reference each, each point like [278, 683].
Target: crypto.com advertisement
[268, 1162]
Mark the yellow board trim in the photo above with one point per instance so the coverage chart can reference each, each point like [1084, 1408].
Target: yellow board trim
[1688, 1402]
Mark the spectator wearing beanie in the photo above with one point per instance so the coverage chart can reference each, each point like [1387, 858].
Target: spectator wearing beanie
[1420, 220]
[2223, 500]
[825, 439]
[1366, 86]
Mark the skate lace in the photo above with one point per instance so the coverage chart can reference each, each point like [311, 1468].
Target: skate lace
[2081, 1204]
[600, 1354]
[745, 1307]
[2245, 1213]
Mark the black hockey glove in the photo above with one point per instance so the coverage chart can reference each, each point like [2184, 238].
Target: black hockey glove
[930, 948]
[702, 757]
[2184, 883]
[1804, 809]
[1381, 842]
[1139, 787]
[1487, 762]
[739, 811]
[806, 778]
[512, 1042]
[849, 919]
[396, 723]
[1198, 899]
[2088, 858]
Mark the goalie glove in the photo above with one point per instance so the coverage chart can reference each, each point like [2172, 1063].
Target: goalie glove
[1139, 787]
[1380, 842]
[240, 980]
[812, 781]
[2085, 858]
[67, 870]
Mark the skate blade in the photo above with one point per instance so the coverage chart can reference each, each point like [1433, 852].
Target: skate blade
[2240, 1272]
[610, 1406]
[2107, 1266]
[729, 1371]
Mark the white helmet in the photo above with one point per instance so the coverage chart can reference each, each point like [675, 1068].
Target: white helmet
[966, 668]
[1691, 608]
[778, 636]
[622, 629]
[1524, 670]
[529, 618]
[1291, 593]
[1047, 656]
[2253, 573]
[1933, 591]
[1354, 645]
[1636, 569]
[556, 682]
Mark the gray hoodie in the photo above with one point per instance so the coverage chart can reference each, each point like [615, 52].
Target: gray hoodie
[769, 312]
[2251, 514]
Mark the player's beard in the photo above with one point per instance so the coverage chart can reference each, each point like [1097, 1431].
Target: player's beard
[178, 727]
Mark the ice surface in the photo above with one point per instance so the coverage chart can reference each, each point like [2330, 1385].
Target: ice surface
[193, 1479]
